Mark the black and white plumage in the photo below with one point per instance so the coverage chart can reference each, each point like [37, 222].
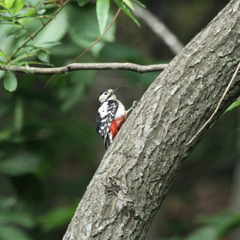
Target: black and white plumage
[110, 116]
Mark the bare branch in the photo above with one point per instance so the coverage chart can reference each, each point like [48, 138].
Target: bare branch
[86, 66]
[159, 28]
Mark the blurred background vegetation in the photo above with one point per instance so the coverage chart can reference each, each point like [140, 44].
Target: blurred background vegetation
[50, 148]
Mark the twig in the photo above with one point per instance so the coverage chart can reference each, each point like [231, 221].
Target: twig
[159, 28]
[57, 2]
[20, 24]
[86, 66]
[93, 44]
[99, 38]
[218, 106]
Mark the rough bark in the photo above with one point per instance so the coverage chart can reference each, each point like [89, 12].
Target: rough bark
[139, 167]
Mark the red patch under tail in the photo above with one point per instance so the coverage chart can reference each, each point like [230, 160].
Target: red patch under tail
[116, 125]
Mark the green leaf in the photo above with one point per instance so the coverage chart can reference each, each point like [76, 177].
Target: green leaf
[10, 81]
[57, 217]
[41, 11]
[2, 3]
[17, 31]
[102, 9]
[24, 56]
[38, 4]
[233, 105]
[2, 10]
[31, 3]
[129, 4]
[12, 233]
[208, 233]
[5, 134]
[85, 35]
[3, 57]
[2, 73]
[7, 202]
[223, 222]
[81, 3]
[55, 30]
[72, 95]
[21, 219]
[29, 12]
[2, 53]
[9, 3]
[20, 164]
[139, 3]
[126, 11]
[17, 6]
[43, 56]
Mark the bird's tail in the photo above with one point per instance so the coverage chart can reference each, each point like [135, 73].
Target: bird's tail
[107, 142]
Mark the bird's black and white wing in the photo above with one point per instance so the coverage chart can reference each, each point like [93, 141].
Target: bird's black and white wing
[104, 118]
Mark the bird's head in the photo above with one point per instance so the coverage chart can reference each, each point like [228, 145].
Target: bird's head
[108, 94]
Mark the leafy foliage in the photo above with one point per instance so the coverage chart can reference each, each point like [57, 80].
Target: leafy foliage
[10, 81]
[233, 105]
[125, 5]
[20, 164]
[13, 221]
[27, 28]
[82, 36]
[102, 9]
[215, 227]
[56, 218]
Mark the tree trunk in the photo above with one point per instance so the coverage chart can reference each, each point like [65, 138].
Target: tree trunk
[139, 167]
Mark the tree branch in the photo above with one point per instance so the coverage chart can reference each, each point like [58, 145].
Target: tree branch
[86, 66]
[159, 28]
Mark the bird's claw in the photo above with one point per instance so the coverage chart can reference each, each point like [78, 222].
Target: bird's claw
[132, 107]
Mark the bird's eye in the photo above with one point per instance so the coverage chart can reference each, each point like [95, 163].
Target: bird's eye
[105, 93]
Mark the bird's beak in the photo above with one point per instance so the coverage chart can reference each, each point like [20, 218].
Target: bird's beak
[116, 89]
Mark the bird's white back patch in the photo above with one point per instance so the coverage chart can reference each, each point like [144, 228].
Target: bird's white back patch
[105, 116]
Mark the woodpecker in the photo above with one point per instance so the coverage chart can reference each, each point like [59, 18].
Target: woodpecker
[110, 116]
